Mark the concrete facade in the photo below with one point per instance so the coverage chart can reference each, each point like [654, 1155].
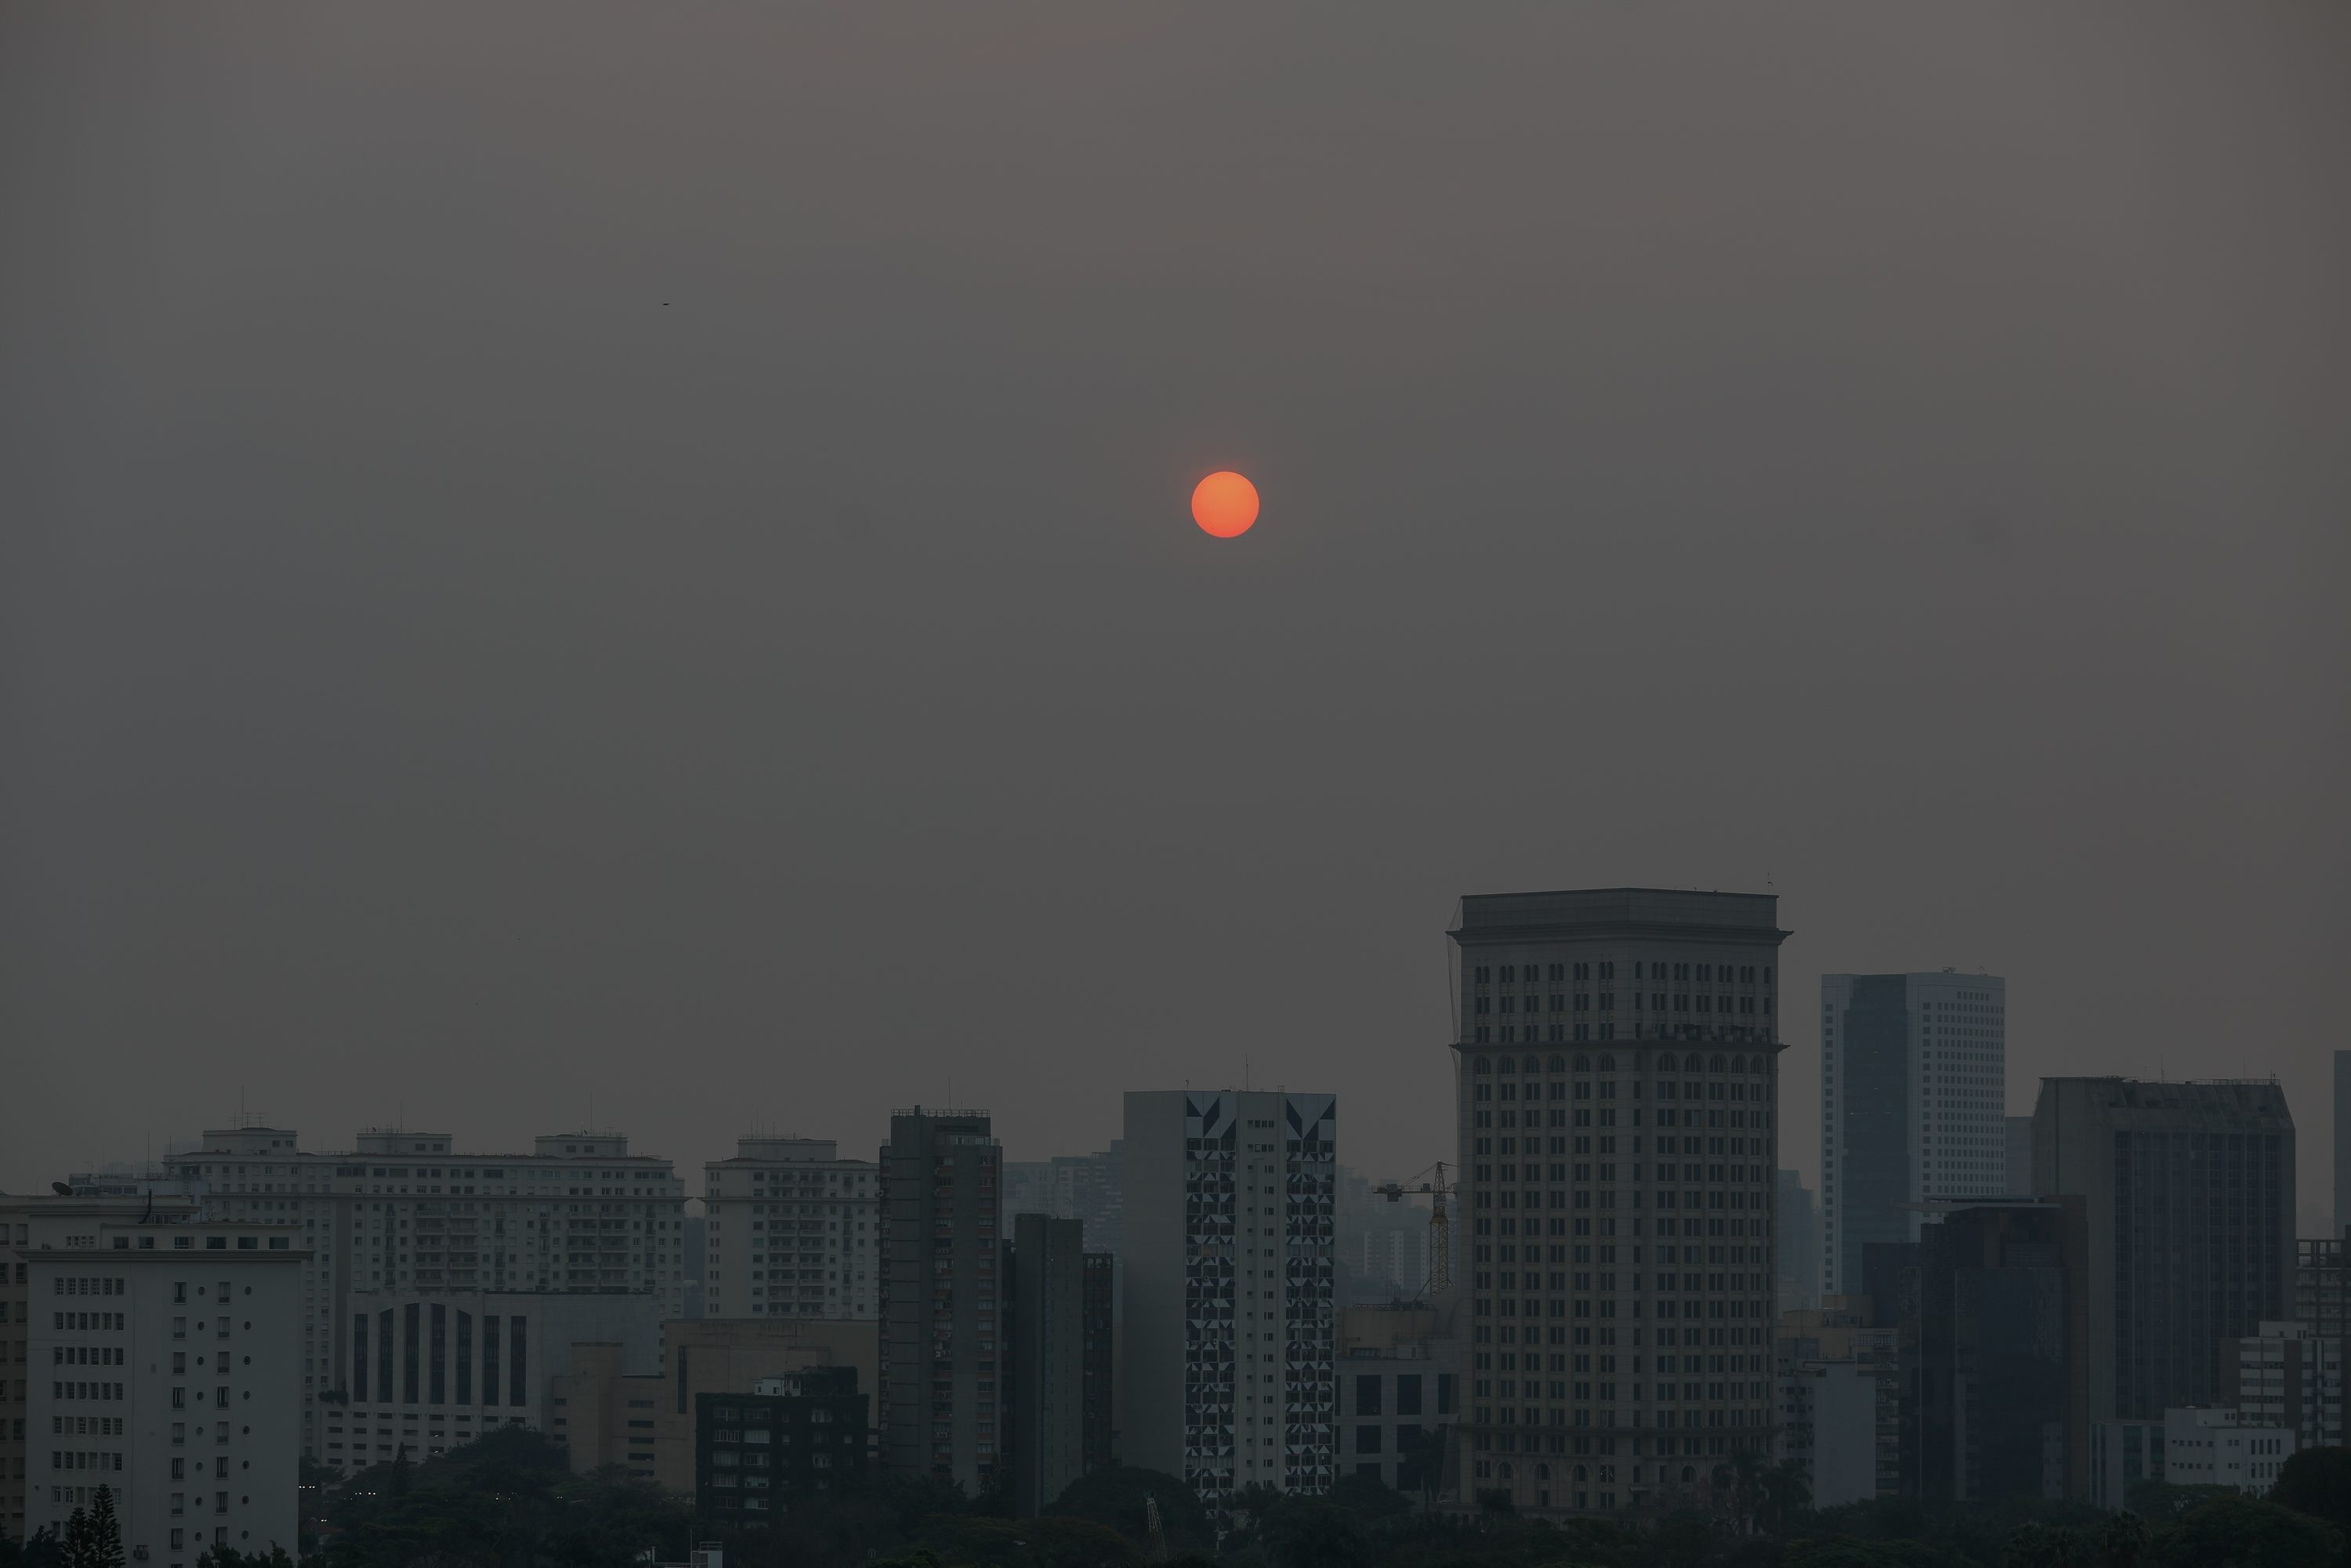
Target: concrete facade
[434, 1372]
[38, 1222]
[156, 1366]
[2290, 1375]
[1399, 1396]
[1622, 1304]
[791, 1229]
[2218, 1447]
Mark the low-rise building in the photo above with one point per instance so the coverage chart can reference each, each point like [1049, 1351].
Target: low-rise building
[2209, 1447]
[434, 1372]
[791, 1438]
[609, 1411]
[1399, 1396]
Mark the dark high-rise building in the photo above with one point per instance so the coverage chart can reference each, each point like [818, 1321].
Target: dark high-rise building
[2001, 1382]
[2188, 1194]
[1913, 1090]
[2018, 1182]
[2342, 1141]
[1799, 1251]
[1101, 1357]
[1616, 1057]
[793, 1437]
[1044, 1423]
[941, 1338]
[2321, 1300]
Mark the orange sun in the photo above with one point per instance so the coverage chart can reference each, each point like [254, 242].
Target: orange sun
[1225, 504]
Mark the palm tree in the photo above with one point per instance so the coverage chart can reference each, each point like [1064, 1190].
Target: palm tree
[2123, 1541]
[1782, 1494]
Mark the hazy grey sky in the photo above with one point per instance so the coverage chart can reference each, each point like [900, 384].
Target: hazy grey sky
[564, 550]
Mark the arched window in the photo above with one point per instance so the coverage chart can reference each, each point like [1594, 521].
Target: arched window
[1717, 1065]
[1504, 1471]
[1737, 1064]
[1607, 1064]
[1482, 1066]
[1666, 1064]
[1689, 1473]
[1542, 1472]
[1583, 1064]
[1559, 1064]
[1582, 1474]
[1532, 1064]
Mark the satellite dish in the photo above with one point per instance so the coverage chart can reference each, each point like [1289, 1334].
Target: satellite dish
[61, 1189]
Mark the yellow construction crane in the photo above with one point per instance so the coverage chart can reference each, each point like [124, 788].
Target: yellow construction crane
[1440, 1225]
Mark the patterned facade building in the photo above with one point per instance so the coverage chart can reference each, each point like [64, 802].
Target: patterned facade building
[1230, 1325]
[1617, 1058]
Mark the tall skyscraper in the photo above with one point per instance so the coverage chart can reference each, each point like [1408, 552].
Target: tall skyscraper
[1046, 1327]
[1913, 1106]
[940, 1350]
[2188, 1192]
[1621, 1294]
[2342, 1142]
[791, 1229]
[1226, 1373]
[1798, 1252]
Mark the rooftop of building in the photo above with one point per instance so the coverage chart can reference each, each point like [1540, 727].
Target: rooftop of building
[1685, 913]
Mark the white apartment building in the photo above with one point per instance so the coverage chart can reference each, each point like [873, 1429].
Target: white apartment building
[792, 1229]
[2204, 1446]
[31, 1222]
[1914, 1106]
[1228, 1375]
[405, 1213]
[159, 1363]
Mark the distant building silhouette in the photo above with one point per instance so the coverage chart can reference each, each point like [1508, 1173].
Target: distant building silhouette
[1913, 1106]
[791, 1230]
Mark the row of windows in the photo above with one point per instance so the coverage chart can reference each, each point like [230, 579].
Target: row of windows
[1606, 1001]
[1484, 1034]
[1689, 1089]
[1668, 1062]
[1713, 974]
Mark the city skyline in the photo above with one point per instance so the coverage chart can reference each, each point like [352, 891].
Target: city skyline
[606, 587]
